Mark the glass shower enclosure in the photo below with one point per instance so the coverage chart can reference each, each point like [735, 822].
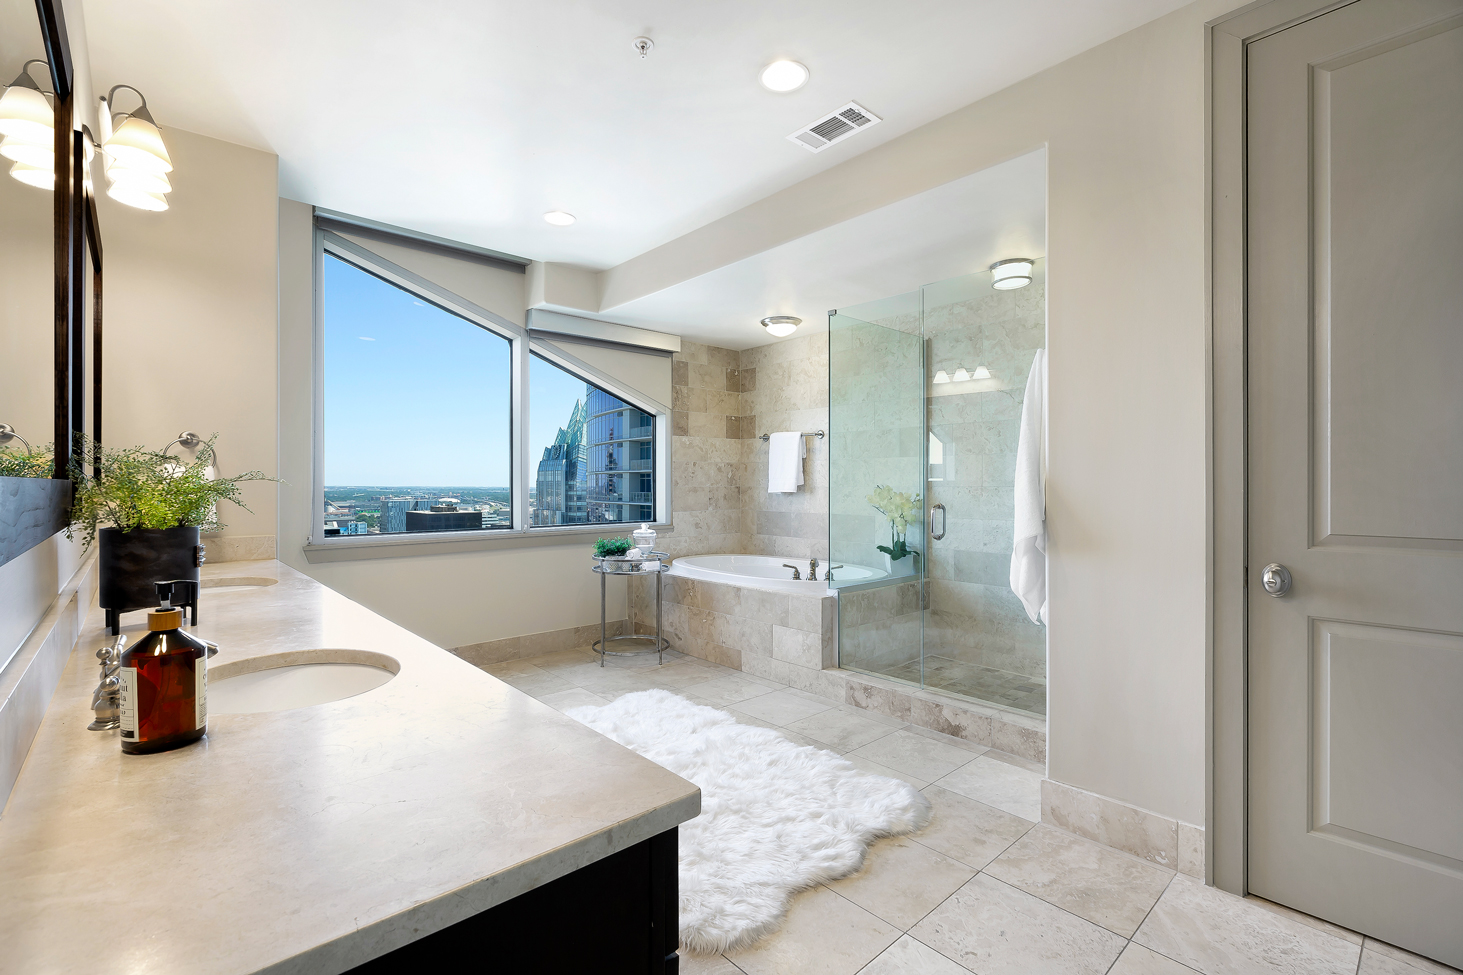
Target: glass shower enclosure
[925, 404]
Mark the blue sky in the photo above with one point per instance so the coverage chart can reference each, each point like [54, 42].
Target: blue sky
[415, 395]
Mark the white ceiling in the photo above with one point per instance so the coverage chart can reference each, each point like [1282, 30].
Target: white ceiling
[471, 118]
[955, 229]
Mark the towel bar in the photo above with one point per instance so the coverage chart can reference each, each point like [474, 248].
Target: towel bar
[819, 434]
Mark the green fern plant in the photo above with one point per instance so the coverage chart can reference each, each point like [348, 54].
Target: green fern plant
[25, 463]
[134, 487]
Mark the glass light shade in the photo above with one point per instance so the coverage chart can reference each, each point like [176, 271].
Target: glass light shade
[30, 153]
[34, 176]
[784, 76]
[137, 144]
[781, 326]
[961, 376]
[559, 218]
[25, 113]
[942, 376]
[1010, 275]
[140, 199]
[138, 179]
[981, 372]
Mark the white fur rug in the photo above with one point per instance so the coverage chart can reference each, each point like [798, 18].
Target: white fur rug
[775, 817]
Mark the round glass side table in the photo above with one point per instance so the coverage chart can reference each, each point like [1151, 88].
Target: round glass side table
[619, 565]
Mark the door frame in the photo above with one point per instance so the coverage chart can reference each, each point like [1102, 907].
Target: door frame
[1226, 816]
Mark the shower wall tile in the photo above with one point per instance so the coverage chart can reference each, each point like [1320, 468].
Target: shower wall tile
[706, 454]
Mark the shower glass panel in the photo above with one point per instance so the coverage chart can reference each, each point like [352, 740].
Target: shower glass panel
[876, 422]
[925, 398]
[979, 642]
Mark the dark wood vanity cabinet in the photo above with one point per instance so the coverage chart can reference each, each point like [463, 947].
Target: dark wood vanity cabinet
[616, 916]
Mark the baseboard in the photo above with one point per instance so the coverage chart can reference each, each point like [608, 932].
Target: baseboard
[1144, 834]
[31, 676]
[534, 644]
[238, 548]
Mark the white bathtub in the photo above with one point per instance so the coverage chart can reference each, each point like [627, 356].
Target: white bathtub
[767, 572]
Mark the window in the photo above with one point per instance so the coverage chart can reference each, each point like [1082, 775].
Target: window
[439, 416]
[595, 452]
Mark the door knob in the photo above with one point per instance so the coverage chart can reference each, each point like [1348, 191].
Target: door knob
[1276, 579]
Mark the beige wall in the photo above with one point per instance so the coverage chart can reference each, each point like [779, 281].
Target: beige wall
[190, 310]
[452, 597]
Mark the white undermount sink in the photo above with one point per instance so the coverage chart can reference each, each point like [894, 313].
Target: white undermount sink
[297, 679]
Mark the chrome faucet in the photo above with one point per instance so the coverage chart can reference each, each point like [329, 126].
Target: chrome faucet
[812, 570]
[828, 575]
[795, 574]
[104, 700]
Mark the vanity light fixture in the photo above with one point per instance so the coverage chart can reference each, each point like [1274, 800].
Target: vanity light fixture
[28, 130]
[961, 376]
[941, 376]
[784, 76]
[981, 372]
[781, 326]
[137, 161]
[1011, 274]
[559, 218]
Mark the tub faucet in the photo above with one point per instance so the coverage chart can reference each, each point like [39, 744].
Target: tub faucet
[812, 570]
[795, 575]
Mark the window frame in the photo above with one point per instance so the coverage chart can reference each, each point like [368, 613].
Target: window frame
[523, 344]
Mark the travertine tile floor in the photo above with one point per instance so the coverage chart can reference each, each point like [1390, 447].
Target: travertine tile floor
[984, 888]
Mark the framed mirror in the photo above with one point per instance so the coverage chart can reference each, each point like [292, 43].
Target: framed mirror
[50, 278]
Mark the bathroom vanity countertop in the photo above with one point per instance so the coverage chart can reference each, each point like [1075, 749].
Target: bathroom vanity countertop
[309, 840]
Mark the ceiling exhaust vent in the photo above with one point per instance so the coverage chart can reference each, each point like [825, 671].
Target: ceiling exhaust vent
[834, 127]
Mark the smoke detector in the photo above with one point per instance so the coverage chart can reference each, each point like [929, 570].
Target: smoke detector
[834, 127]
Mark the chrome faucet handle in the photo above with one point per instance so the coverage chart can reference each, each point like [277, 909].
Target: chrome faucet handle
[795, 572]
[105, 700]
[828, 575]
[812, 570]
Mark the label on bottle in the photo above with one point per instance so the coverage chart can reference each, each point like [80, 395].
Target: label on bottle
[200, 691]
[127, 702]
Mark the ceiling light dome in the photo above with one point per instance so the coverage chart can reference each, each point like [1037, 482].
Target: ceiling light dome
[781, 326]
[784, 76]
[559, 218]
[1011, 274]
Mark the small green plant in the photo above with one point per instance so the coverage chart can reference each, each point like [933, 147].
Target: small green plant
[612, 546]
[140, 488]
[26, 463]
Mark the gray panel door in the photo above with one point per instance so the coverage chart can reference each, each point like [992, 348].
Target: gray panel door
[1355, 265]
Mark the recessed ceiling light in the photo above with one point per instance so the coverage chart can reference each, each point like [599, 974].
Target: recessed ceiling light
[781, 325]
[784, 76]
[559, 218]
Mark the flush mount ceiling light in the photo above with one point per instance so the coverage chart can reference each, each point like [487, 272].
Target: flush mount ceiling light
[781, 325]
[784, 76]
[137, 161]
[559, 218]
[28, 130]
[1011, 274]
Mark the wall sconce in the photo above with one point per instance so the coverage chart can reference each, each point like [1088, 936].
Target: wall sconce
[781, 325]
[7, 434]
[28, 127]
[137, 161]
[981, 372]
[941, 376]
[1011, 274]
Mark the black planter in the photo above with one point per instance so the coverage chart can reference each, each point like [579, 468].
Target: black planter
[130, 562]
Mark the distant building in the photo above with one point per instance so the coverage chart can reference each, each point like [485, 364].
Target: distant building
[621, 477]
[393, 513]
[562, 474]
[443, 518]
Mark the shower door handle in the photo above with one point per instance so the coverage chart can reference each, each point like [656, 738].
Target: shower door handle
[944, 517]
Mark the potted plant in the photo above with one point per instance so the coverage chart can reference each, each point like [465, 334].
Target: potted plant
[146, 509]
[30, 463]
[899, 507]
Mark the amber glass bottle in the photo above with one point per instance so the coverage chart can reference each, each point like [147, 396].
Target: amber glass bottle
[164, 686]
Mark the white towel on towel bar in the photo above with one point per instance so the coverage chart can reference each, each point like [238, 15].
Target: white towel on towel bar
[1028, 554]
[785, 453]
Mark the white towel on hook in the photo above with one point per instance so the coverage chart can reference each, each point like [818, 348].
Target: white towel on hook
[1028, 554]
[785, 453]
